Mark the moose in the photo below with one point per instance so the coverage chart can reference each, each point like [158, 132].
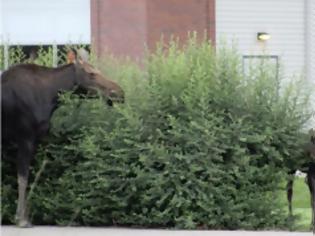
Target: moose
[28, 99]
[311, 184]
[309, 168]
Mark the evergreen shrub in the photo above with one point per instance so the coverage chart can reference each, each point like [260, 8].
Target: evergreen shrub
[197, 144]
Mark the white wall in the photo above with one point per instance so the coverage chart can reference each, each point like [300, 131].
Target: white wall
[32, 22]
[1, 21]
[282, 19]
[310, 47]
[310, 38]
[291, 24]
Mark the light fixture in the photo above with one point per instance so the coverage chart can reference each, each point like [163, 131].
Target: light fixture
[263, 36]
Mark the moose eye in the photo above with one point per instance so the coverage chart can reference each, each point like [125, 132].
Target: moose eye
[112, 93]
[92, 76]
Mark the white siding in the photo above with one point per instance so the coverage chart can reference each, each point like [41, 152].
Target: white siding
[30, 22]
[291, 24]
[1, 22]
[310, 40]
[284, 20]
[310, 48]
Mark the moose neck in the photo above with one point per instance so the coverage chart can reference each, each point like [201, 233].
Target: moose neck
[64, 79]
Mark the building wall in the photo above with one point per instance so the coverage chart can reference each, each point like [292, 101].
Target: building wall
[178, 17]
[119, 27]
[1, 22]
[291, 24]
[310, 39]
[310, 49]
[284, 20]
[127, 27]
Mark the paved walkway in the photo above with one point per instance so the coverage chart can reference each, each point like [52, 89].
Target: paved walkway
[84, 231]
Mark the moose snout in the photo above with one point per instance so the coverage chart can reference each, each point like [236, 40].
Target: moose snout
[117, 96]
[111, 90]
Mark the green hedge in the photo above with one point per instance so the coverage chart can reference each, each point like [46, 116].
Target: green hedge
[197, 144]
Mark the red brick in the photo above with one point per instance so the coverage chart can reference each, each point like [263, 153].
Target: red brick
[124, 27]
[177, 18]
[119, 26]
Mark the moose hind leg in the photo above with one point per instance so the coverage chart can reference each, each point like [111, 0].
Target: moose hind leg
[290, 195]
[25, 154]
[311, 185]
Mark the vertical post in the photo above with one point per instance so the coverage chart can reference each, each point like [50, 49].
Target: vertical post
[55, 55]
[6, 56]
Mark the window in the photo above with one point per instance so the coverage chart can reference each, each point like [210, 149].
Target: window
[254, 62]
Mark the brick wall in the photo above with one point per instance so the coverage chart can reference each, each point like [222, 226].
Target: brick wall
[124, 27]
[119, 26]
[177, 18]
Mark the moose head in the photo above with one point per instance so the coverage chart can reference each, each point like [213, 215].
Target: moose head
[89, 79]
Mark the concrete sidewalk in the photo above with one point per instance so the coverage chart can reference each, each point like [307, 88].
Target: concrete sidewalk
[85, 231]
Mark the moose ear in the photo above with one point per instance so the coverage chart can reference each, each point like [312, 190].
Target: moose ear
[71, 57]
[83, 55]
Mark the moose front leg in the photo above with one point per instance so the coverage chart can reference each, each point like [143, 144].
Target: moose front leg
[25, 154]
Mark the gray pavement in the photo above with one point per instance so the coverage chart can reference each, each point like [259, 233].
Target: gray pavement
[86, 231]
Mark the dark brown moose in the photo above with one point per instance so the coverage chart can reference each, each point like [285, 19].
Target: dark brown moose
[28, 99]
[311, 176]
[309, 168]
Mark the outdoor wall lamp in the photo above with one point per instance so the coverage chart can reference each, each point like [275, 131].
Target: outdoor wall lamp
[262, 36]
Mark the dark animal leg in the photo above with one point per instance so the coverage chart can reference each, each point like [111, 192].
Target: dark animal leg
[25, 154]
[290, 194]
[311, 185]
